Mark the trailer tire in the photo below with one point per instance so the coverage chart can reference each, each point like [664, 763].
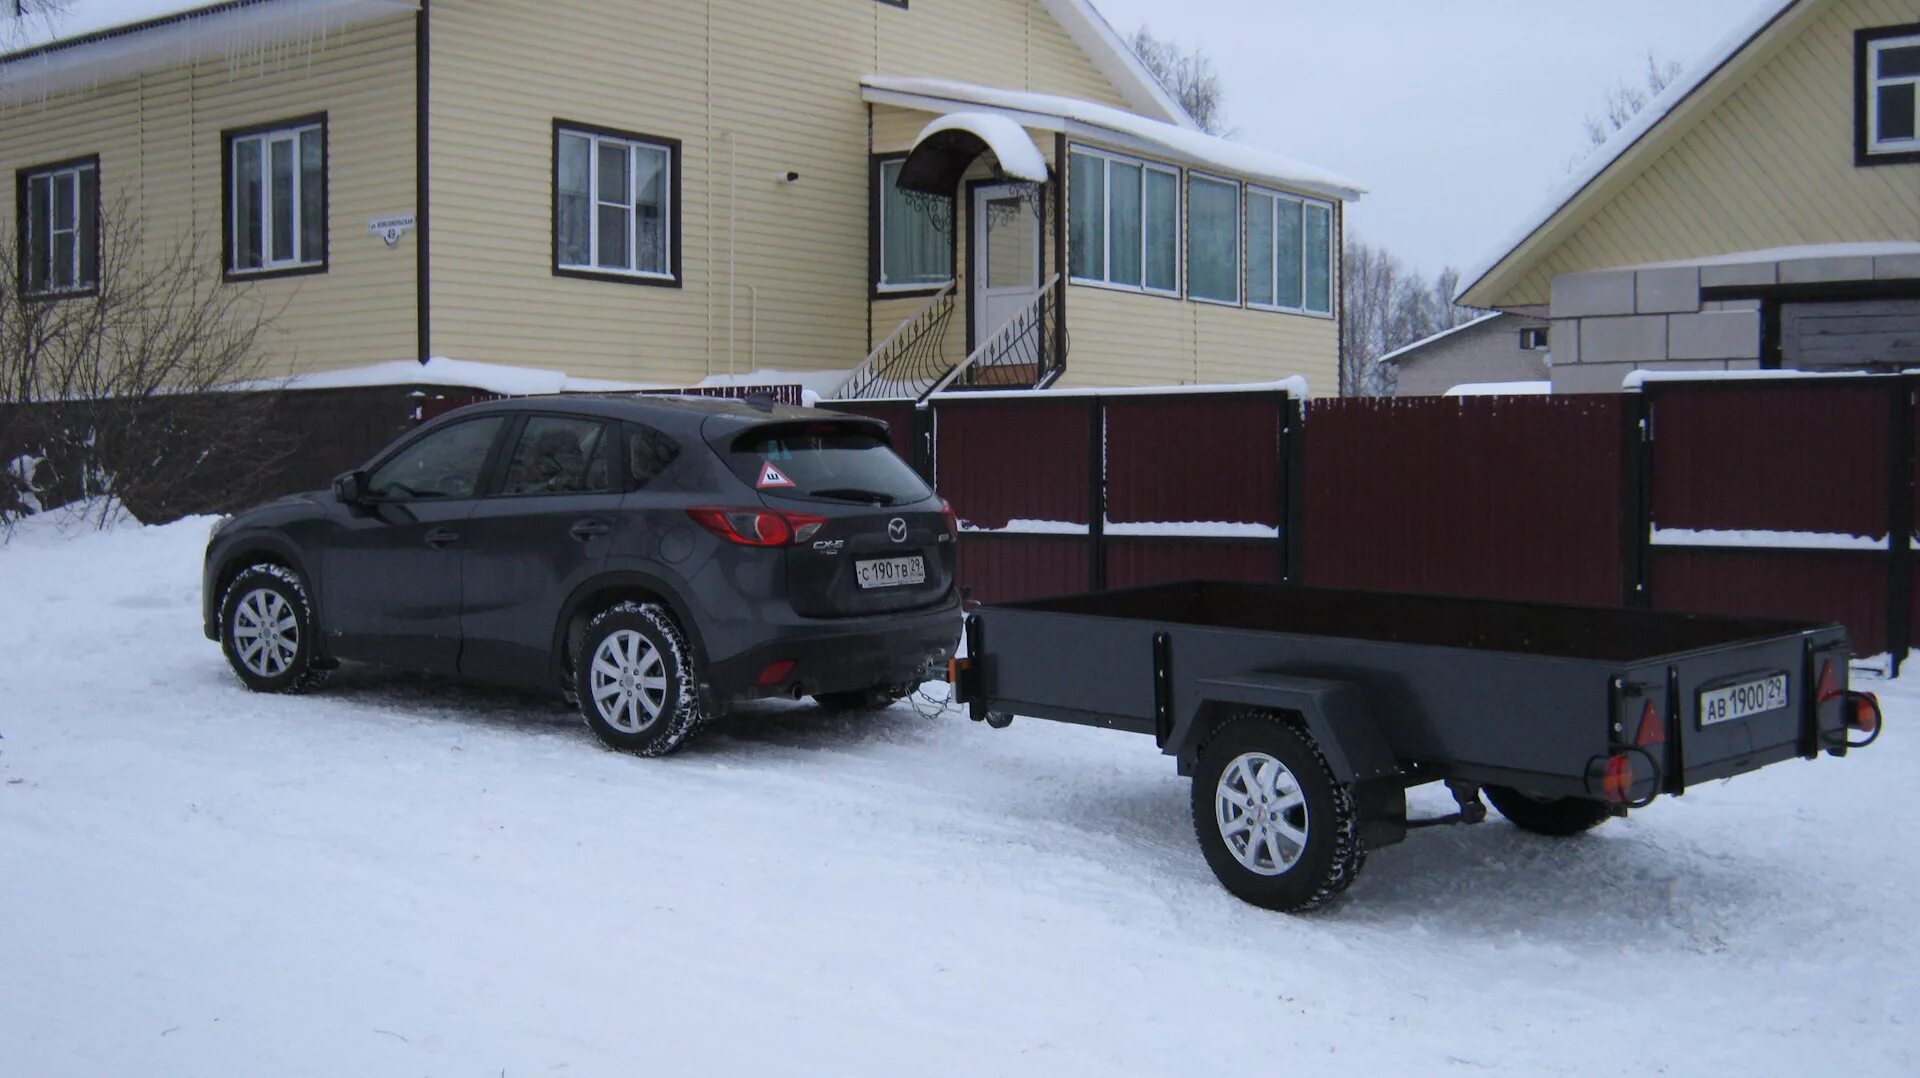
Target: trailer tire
[1560, 817]
[1308, 851]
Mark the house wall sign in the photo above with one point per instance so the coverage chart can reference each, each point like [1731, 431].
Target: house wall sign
[390, 229]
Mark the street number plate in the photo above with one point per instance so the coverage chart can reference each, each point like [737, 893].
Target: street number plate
[891, 572]
[1739, 701]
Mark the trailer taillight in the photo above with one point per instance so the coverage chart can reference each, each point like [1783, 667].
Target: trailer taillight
[1652, 731]
[1616, 782]
[1866, 713]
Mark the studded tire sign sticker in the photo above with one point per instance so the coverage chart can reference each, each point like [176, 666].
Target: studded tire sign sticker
[772, 477]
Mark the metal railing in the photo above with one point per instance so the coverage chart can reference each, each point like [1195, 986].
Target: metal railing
[911, 360]
[1027, 352]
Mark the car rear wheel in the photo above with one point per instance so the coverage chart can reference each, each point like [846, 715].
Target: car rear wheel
[636, 683]
[1559, 817]
[266, 630]
[1276, 827]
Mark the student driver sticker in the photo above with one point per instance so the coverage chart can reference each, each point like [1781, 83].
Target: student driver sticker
[771, 477]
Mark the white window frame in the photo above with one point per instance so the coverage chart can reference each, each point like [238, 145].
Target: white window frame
[1279, 196]
[881, 285]
[84, 231]
[1536, 334]
[1239, 247]
[631, 145]
[302, 258]
[1108, 159]
[1877, 146]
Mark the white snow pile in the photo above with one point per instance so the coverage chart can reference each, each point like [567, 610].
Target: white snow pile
[400, 877]
[1017, 154]
[513, 381]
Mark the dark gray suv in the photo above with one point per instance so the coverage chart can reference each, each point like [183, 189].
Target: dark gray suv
[653, 558]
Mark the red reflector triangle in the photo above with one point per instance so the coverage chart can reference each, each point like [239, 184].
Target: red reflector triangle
[1829, 690]
[771, 476]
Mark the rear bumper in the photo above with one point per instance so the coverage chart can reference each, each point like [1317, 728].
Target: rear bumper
[831, 656]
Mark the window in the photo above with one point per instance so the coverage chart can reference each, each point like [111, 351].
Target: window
[1213, 240]
[1887, 70]
[649, 454]
[615, 206]
[915, 247]
[557, 455]
[836, 464]
[1533, 340]
[1289, 253]
[60, 224]
[445, 464]
[1125, 222]
[276, 198]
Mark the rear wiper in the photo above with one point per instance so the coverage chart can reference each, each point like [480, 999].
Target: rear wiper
[853, 494]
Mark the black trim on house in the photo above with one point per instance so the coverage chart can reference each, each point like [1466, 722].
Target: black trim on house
[901, 4]
[1863, 157]
[227, 137]
[1060, 167]
[422, 191]
[674, 153]
[24, 248]
[874, 209]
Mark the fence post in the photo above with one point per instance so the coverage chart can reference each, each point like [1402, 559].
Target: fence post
[923, 451]
[1900, 524]
[1097, 492]
[1636, 499]
[1293, 492]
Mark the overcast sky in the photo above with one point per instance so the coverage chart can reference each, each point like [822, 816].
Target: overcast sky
[1457, 116]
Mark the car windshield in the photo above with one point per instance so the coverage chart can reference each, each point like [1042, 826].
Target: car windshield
[826, 462]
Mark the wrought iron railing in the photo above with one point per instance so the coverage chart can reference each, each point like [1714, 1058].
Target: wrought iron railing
[1028, 352]
[911, 360]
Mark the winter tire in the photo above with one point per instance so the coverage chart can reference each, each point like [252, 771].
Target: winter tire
[636, 683]
[1555, 816]
[1275, 826]
[267, 632]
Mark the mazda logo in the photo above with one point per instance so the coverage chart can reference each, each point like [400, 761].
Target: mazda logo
[897, 530]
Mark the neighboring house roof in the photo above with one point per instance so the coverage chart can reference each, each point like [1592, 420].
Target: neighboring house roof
[1408, 350]
[1567, 199]
[1109, 126]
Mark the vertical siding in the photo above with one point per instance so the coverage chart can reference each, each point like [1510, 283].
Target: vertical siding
[1771, 166]
[159, 140]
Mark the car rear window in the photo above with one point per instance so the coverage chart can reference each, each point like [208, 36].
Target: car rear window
[825, 462]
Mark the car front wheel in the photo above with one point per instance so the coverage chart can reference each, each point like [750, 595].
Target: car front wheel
[636, 682]
[266, 630]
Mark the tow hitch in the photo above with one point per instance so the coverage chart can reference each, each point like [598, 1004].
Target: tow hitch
[1467, 796]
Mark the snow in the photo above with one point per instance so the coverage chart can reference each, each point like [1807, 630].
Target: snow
[397, 877]
[512, 381]
[1801, 252]
[1018, 156]
[1500, 389]
[1024, 526]
[1772, 540]
[1636, 379]
[1443, 334]
[1092, 121]
[1295, 387]
[1603, 156]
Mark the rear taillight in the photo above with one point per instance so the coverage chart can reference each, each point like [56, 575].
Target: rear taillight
[1866, 713]
[758, 527]
[953, 518]
[1652, 731]
[1616, 782]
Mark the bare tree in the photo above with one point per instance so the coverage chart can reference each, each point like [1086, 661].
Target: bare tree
[1625, 101]
[148, 390]
[1386, 306]
[1187, 75]
[28, 22]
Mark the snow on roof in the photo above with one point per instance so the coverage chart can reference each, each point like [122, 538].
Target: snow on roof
[1870, 249]
[1116, 60]
[1603, 157]
[1424, 341]
[1107, 124]
[88, 17]
[1636, 379]
[1500, 389]
[512, 381]
[1019, 157]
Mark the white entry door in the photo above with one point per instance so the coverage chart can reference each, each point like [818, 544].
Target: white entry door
[1006, 256]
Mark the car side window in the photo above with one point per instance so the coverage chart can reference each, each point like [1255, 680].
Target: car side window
[649, 453]
[560, 455]
[444, 464]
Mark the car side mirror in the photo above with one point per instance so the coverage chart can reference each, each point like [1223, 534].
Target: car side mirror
[350, 488]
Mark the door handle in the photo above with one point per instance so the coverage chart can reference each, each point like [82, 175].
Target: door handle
[589, 530]
[441, 537]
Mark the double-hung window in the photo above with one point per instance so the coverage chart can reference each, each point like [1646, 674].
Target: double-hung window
[1213, 239]
[915, 245]
[614, 212]
[1124, 222]
[1889, 77]
[60, 227]
[1289, 253]
[276, 198]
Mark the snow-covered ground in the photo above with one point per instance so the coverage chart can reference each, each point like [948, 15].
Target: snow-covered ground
[403, 877]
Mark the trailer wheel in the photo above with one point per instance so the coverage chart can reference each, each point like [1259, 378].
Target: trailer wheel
[1275, 826]
[1556, 816]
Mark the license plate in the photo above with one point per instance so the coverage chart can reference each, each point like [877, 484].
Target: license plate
[891, 572]
[1739, 701]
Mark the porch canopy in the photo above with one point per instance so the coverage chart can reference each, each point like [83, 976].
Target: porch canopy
[973, 118]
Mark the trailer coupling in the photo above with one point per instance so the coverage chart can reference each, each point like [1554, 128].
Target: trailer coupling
[1467, 796]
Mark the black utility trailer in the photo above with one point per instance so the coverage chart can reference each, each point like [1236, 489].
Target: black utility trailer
[1304, 715]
